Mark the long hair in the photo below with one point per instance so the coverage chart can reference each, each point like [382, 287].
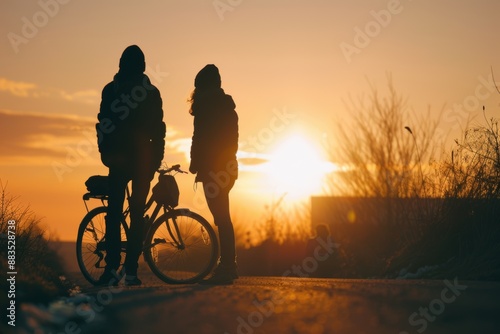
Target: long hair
[207, 83]
[202, 96]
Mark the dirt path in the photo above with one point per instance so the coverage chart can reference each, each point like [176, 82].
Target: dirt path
[293, 305]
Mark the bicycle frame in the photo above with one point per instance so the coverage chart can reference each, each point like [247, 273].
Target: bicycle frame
[148, 220]
[179, 245]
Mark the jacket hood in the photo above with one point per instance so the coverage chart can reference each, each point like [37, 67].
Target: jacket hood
[122, 82]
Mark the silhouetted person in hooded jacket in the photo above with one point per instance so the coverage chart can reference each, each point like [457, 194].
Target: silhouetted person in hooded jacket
[131, 138]
[213, 160]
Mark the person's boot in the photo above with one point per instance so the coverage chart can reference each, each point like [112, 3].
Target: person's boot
[222, 275]
[132, 280]
[109, 278]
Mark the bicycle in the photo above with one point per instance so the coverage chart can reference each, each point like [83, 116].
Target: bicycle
[180, 246]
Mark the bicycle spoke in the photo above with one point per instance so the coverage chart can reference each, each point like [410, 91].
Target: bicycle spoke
[182, 248]
[91, 246]
[204, 235]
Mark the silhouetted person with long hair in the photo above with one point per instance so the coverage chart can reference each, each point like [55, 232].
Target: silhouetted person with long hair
[213, 160]
[131, 137]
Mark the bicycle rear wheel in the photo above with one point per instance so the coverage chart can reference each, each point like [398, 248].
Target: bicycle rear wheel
[181, 247]
[90, 243]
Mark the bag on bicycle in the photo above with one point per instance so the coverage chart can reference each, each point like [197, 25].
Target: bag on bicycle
[166, 191]
[97, 185]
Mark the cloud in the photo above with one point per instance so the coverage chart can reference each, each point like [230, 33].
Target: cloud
[42, 139]
[248, 161]
[17, 88]
[37, 137]
[31, 90]
[29, 138]
[251, 161]
[89, 96]
[178, 145]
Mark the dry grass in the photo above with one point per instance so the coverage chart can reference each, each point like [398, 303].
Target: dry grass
[38, 267]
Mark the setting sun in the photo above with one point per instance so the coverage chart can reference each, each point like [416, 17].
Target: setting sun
[296, 168]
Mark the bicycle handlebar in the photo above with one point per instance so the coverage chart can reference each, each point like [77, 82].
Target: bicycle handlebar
[174, 168]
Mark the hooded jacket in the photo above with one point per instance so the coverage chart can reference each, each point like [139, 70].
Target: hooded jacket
[131, 131]
[215, 136]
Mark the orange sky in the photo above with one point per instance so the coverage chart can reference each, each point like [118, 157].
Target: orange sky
[288, 65]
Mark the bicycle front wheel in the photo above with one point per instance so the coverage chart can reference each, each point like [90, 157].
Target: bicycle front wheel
[181, 247]
[91, 244]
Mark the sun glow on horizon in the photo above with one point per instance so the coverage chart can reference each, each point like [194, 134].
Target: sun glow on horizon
[296, 168]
